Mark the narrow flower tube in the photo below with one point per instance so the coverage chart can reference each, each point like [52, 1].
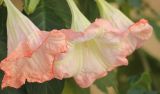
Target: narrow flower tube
[31, 52]
[115, 16]
[95, 48]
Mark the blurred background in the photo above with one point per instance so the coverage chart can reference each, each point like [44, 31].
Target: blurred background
[141, 76]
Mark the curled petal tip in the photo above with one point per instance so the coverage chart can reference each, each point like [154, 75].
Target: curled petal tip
[141, 29]
[143, 21]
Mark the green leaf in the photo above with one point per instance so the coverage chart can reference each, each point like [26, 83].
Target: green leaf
[3, 44]
[120, 1]
[135, 3]
[9, 90]
[108, 81]
[142, 85]
[55, 86]
[125, 9]
[155, 67]
[144, 82]
[3, 49]
[51, 14]
[72, 88]
[127, 73]
[36, 88]
[51, 87]
[140, 91]
[87, 7]
[30, 5]
[3, 33]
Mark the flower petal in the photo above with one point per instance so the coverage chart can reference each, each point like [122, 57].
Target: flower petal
[31, 52]
[23, 64]
[114, 15]
[98, 50]
[141, 31]
[94, 52]
[18, 27]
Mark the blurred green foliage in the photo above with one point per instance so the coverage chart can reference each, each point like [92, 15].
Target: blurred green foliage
[141, 76]
[30, 6]
[72, 88]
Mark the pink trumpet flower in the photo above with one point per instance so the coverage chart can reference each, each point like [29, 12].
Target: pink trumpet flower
[98, 47]
[31, 52]
[139, 32]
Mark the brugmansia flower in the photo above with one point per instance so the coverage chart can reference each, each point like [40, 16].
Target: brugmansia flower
[31, 52]
[97, 48]
[139, 32]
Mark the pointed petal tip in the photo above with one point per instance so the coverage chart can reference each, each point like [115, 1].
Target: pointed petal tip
[6, 82]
